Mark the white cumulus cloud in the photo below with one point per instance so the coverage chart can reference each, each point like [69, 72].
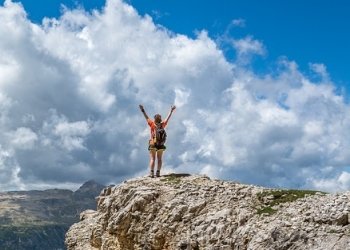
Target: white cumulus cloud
[240, 22]
[23, 138]
[247, 47]
[70, 89]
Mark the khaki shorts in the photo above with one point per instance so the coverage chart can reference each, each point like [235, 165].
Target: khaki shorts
[156, 147]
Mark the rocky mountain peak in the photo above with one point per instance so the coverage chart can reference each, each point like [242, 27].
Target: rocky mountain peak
[89, 189]
[90, 185]
[195, 212]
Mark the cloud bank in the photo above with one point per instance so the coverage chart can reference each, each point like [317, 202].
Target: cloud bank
[70, 89]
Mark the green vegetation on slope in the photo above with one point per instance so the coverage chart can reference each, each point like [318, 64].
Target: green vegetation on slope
[173, 178]
[272, 198]
[33, 237]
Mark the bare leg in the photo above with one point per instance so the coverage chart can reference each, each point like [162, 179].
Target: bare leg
[160, 161]
[152, 156]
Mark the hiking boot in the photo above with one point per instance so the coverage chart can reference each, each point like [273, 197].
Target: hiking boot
[158, 173]
[151, 174]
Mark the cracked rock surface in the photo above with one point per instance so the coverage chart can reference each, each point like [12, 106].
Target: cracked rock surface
[195, 212]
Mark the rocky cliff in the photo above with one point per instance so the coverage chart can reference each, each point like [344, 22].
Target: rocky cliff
[39, 219]
[194, 212]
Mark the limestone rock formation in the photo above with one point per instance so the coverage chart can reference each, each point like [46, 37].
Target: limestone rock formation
[194, 212]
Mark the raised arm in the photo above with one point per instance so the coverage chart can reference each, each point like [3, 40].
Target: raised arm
[170, 113]
[143, 112]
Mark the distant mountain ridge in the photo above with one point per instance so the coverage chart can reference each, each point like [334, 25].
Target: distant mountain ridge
[39, 219]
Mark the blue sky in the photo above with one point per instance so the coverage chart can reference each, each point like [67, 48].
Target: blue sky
[305, 31]
[261, 89]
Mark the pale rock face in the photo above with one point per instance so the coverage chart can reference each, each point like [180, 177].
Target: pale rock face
[194, 212]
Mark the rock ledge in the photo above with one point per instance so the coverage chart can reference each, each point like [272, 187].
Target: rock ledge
[195, 212]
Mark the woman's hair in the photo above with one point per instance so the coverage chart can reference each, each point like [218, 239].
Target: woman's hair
[157, 118]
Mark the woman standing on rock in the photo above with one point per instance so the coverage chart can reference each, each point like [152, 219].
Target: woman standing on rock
[156, 145]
